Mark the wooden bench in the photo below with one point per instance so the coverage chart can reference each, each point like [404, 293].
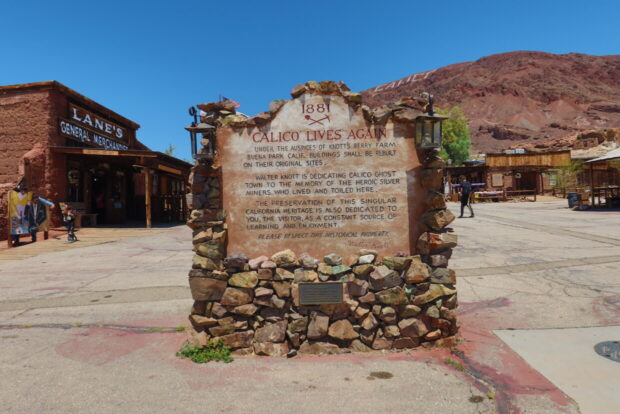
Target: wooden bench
[80, 212]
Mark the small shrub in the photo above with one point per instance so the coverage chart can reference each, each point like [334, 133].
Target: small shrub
[454, 364]
[214, 351]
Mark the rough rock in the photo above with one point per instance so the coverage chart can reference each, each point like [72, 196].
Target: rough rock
[342, 330]
[358, 346]
[207, 289]
[238, 339]
[412, 327]
[408, 311]
[388, 315]
[443, 275]
[396, 263]
[433, 335]
[265, 274]
[283, 274]
[203, 321]
[237, 296]
[271, 349]
[418, 272]
[333, 259]
[319, 348]
[197, 338]
[370, 322]
[263, 291]
[357, 287]
[285, 258]
[438, 219]
[276, 332]
[236, 261]
[282, 289]
[244, 279]
[383, 277]
[382, 343]
[308, 261]
[391, 331]
[256, 262]
[268, 264]
[392, 296]
[299, 325]
[318, 325]
[366, 259]
[435, 291]
[406, 342]
[368, 298]
[363, 270]
[206, 263]
[302, 275]
[245, 310]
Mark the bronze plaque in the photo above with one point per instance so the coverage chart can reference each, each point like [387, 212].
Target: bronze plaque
[318, 178]
[321, 293]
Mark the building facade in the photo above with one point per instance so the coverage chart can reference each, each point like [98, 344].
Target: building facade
[70, 149]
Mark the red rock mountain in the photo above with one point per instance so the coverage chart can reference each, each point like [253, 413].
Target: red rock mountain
[520, 98]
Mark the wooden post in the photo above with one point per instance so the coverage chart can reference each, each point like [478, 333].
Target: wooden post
[592, 182]
[147, 195]
[9, 237]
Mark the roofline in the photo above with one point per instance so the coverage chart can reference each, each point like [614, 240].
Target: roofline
[527, 153]
[70, 92]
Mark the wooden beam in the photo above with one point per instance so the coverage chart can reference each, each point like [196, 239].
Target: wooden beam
[592, 183]
[147, 195]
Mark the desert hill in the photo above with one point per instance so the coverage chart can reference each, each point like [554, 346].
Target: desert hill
[520, 99]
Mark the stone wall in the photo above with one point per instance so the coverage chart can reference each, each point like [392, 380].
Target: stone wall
[394, 301]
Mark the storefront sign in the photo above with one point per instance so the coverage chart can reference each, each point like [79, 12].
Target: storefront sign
[89, 120]
[87, 136]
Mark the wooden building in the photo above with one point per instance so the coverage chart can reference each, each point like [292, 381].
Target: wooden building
[70, 149]
[534, 173]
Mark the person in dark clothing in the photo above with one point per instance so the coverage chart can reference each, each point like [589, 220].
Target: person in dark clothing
[68, 219]
[35, 213]
[466, 190]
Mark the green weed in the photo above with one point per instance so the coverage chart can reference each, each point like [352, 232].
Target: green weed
[214, 351]
[454, 364]
[180, 328]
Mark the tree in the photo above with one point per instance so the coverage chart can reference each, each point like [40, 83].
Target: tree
[170, 150]
[456, 140]
[567, 174]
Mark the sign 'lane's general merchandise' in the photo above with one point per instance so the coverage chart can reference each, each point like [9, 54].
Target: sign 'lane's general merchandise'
[319, 172]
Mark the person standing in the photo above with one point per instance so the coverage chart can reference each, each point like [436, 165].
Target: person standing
[68, 219]
[466, 190]
[35, 214]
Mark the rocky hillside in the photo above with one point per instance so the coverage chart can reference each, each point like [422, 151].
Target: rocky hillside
[520, 98]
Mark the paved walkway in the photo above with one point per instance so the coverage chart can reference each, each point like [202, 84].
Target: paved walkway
[95, 327]
[57, 241]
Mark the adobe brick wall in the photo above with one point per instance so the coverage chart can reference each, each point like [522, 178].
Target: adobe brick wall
[27, 129]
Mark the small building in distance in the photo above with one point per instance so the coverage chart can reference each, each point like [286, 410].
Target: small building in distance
[513, 173]
[70, 149]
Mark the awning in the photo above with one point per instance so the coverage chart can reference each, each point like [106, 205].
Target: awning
[163, 162]
[611, 155]
[105, 152]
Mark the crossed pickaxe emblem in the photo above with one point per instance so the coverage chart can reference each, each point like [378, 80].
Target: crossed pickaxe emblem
[316, 121]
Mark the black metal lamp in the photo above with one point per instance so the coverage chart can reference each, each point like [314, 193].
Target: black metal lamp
[428, 126]
[207, 131]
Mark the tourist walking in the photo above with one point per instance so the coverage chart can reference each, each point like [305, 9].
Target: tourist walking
[466, 190]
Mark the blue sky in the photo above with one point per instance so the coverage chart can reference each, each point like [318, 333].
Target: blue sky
[151, 60]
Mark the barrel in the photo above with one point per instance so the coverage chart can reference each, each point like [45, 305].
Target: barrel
[573, 199]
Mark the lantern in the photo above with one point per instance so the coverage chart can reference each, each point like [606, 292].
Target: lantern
[428, 130]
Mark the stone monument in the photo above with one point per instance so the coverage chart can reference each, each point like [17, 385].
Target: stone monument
[319, 226]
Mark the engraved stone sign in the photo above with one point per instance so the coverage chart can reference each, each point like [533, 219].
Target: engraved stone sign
[320, 293]
[320, 178]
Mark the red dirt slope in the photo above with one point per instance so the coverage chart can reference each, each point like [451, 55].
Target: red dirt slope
[520, 98]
